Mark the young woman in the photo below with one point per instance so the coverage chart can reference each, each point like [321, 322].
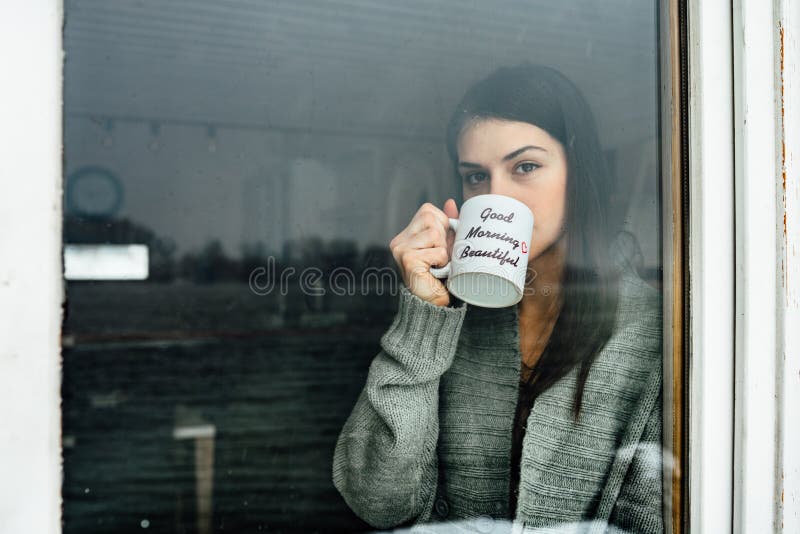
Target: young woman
[547, 413]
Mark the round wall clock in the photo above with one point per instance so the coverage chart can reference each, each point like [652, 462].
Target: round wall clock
[93, 191]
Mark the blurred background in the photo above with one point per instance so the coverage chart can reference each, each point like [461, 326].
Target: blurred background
[210, 147]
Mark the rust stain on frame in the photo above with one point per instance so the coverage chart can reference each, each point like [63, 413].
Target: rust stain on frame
[783, 130]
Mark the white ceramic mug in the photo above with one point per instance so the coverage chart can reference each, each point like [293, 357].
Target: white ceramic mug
[489, 260]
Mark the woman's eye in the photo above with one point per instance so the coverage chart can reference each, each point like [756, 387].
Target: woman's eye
[475, 178]
[527, 167]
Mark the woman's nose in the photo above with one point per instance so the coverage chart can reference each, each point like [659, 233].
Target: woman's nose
[499, 185]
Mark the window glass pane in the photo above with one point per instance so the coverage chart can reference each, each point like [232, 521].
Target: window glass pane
[253, 341]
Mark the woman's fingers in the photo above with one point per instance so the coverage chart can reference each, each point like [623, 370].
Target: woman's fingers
[422, 244]
[428, 216]
[419, 280]
[437, 257]
[419, 262]
[427, 238]
[426, 229]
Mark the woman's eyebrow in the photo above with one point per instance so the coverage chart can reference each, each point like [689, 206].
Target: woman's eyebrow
[510, 156]
[519, 151]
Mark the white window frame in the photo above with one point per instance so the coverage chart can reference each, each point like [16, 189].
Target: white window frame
[745, 310]
[711, 243]
[31, 286]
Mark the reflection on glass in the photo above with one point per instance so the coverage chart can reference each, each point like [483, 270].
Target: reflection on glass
[265, 156]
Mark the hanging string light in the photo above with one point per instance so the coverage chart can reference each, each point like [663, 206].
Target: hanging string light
[212, 138]
[108, 138]
[155, 141]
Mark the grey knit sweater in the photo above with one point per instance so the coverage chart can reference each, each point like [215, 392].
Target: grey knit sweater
[429, 438]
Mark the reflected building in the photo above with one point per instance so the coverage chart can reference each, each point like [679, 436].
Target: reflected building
[311, 201]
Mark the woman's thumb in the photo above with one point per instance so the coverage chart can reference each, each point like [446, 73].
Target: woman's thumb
[450, 209]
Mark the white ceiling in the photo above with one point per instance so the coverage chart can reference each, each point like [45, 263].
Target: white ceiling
[350, 65]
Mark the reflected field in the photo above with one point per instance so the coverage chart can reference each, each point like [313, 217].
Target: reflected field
[276, 395]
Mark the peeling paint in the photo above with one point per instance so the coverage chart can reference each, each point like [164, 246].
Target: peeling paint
[784, 274]
[783, 155]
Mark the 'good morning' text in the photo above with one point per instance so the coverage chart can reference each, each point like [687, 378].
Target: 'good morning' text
[488, 213]
[476, 231]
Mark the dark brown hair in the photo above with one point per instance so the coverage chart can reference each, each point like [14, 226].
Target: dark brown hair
[544, 97]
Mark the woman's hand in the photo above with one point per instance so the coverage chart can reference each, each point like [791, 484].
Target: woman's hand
[425, 242]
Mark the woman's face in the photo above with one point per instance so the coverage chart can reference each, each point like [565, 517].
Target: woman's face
[522, 161]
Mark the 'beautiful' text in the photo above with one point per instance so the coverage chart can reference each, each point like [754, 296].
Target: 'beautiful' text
[496, 254]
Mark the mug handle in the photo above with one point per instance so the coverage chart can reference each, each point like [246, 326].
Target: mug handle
[444, 272]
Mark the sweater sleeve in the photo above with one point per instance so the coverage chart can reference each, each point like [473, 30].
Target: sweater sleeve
[638, 508]
[385, 462]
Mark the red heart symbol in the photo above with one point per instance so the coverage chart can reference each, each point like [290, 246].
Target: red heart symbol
[524, 248]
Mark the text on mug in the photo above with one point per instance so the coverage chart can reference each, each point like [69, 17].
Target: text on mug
[488, 213]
